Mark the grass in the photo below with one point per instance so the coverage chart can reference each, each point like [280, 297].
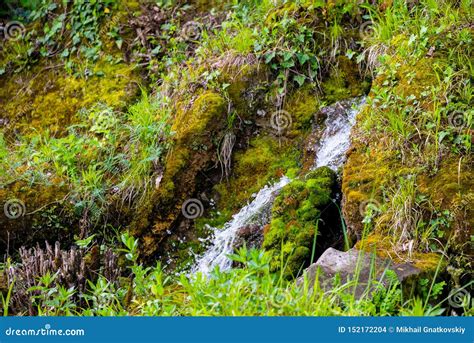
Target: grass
[248, 291]
[106, 151]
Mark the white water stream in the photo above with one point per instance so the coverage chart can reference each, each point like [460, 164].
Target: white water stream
[330, 152]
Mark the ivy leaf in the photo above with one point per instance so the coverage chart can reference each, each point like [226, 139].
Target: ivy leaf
[65, 53]
[287, 55]
[302, 58]
[288, 64]
[156, 50]
[269, 56]
[300, 79]
[350, 54]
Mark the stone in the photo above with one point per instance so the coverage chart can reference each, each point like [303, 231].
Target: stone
[250, 235]
[366, 268]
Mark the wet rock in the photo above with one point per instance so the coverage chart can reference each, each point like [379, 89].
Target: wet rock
[354, 264]
[250, 235]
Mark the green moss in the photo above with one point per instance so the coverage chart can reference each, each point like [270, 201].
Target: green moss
[48, 98]
[384, 247]
[302, 106]
[197, 129]
[344, 82]
[245, 79]
[263, 161]
[295, 215]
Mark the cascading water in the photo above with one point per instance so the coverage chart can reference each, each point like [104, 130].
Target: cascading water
[332, 147]
[257, 212]
[329, 152]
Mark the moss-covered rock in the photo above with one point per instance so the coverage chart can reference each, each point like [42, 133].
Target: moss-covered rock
[195, 144]
[344, 81]
[303, 219]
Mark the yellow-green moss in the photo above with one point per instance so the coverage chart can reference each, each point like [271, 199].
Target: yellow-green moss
[344, 81]
[264, 160]
[386, 248]
[197, 131]
[302, 105]
[380, 156]
[47, 98]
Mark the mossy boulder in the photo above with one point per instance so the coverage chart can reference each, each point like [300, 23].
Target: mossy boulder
[198, 130]
[304, 218]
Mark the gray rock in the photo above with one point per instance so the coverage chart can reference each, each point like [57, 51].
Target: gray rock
[250, 235]
[364, 268]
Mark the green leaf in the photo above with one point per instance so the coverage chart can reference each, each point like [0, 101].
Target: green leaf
[302, 58]
[269, 56]
[84, 243]
[287, 56]
[300, 79]
[350, 54]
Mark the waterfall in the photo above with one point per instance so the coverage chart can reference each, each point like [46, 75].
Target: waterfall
[256, 212]
[330, 152]
[332, 147]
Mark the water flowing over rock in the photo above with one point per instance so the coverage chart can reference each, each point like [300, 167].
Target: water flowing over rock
[331, 149]
[250, 235]
[256, 212]
[330, 152]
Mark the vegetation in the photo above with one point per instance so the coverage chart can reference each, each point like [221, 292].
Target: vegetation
[114, 114]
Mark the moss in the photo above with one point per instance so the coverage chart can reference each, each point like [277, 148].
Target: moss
[302, 105]
[384, 247]
[264, 160]
[380, 155]
[344, 82]
[43, 216]
[197, 130]
[295, 215]
[47, 98]
[246, 79]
